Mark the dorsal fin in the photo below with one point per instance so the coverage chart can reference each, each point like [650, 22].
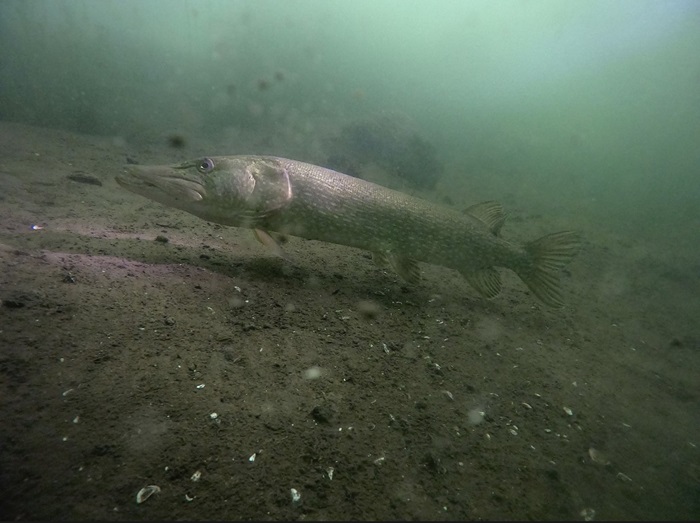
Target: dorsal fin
[490, 213]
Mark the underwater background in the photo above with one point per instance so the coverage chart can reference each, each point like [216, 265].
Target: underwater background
[577, 115]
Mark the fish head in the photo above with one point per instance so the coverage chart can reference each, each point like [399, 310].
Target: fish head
[230, 190]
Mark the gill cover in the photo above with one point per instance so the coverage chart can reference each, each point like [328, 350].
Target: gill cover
[269, 186]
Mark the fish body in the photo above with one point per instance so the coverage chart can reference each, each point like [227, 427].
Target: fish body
[270, 194]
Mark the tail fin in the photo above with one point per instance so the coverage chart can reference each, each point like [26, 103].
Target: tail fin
[547, 256]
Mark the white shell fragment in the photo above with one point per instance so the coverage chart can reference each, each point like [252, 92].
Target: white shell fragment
[568, 411]
[146, 492]
[196, 476]
[623, 476]
[252, 458]
[296, 495]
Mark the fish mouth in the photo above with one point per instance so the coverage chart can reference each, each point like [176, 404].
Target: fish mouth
[163, 184]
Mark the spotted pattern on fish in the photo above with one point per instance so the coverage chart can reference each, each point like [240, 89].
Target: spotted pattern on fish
[270, 194]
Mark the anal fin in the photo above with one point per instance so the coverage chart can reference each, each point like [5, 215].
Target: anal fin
[486, 281]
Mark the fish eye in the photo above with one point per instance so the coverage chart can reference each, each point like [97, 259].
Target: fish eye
[205, 165]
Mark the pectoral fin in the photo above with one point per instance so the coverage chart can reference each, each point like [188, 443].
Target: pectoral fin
[486, 281]
[268, 241]
[407, 268]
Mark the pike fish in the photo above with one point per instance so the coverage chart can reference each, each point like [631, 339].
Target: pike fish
[270, 194]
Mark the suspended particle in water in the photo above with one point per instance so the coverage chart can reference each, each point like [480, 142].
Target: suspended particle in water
[177, 141]
[369, 309]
